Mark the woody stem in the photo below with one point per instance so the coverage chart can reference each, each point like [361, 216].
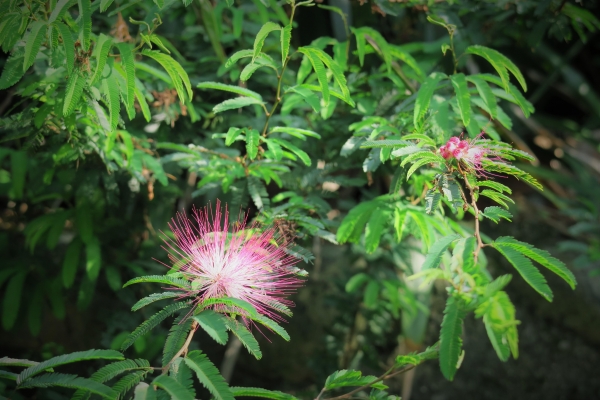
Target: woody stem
[477, 234]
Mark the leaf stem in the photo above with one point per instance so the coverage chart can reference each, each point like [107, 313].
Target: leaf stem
[279, 82]
[388, 374]
[477, 234]
[183, 349]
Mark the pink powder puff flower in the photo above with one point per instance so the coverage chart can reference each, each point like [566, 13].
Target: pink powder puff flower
[245, 264]
[469, 154]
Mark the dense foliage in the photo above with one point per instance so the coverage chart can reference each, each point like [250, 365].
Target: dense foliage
[124, 112]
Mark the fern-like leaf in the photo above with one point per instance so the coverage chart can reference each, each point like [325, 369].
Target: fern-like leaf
[103, 46]
[33, 43]
[540, 256]
[73, 93]
[527, 270]
[13, 70]
[67, 359]
[165, 279]
[68, 381]
[245, 337]
[112, 370]
[214, 324]
[208, 375]
[259, 392]
[229, 88]
[127, 62]
[152, 322]
[261, 36]
[68, 45]
[85, 21]
[126, 383]
[152, 298]
[174, 388]
[176, 338]
[450, 337]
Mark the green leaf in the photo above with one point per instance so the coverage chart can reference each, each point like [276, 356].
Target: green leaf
[58, 10]
[463, 97]
[110, 89]
[101, 49]
[127, 382]
[252, 142]
[334, 68]
[12, 300]
[236, 103]
[354, 221]
[174, 388]
[258, 193]
[286, 37]
[93, 255]
[164, 279]
[127, 62]
[296, 132]
[73, 93]
[230, 88]
[104, 4]
[486, 94]
[143, 391]
[152, 322]
[34, 41]
[500, 63]
[154, 297]
[15, 362]
[262, 34]
[213, 323]
[8, 375]
[208, 375]
[432, 200]
[13, 70]
[425, 94]
[345, 378]
[85, 18]
[527, 270]
[462, 256]
[176, 338]
[499, 318]
[540, 256]
[452, 192]
[67, 359]
[419, 159]
[374, 229]
[69, 381]
[495, 213]
[69, 46]
[244, 336]
[356, 282]
[136, 368]
[178, 76]
[320, 71]
[236, 306]
[450, 337]
[497, 197]
[300, 153]
[272, 325]
[434, 256]
[262, 393]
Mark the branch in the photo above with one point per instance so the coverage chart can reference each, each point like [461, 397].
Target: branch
[388, 374]
[183, 349]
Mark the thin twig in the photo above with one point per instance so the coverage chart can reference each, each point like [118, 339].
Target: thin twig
[388, 374]
[183, 349]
